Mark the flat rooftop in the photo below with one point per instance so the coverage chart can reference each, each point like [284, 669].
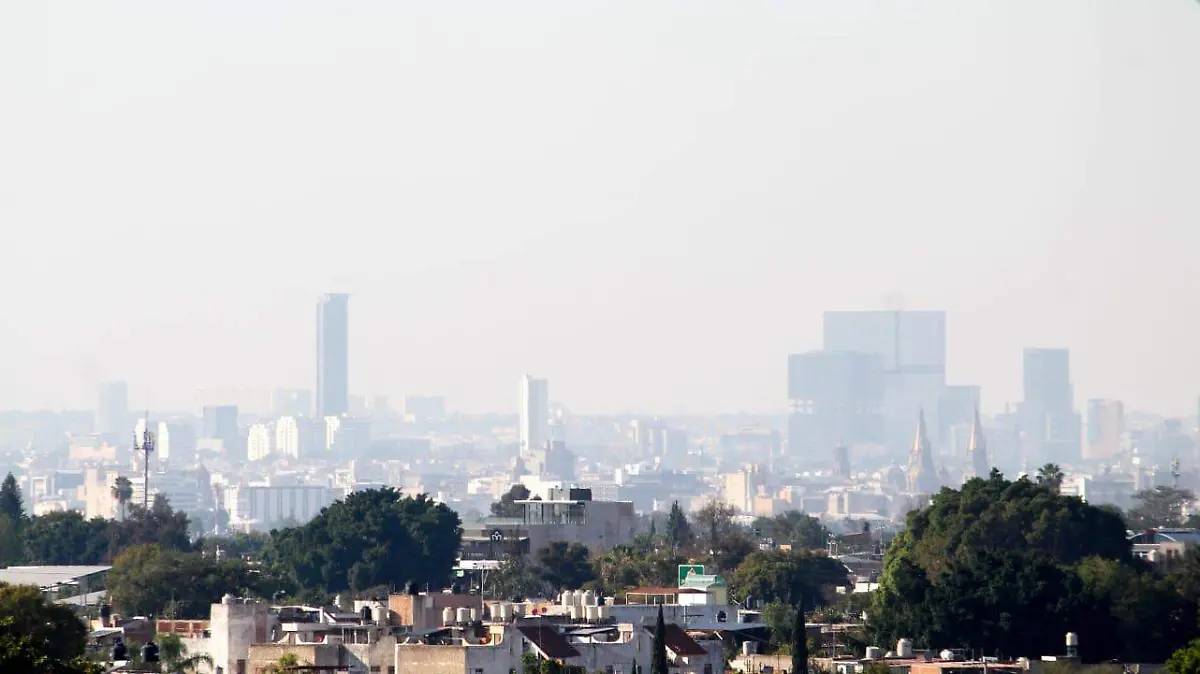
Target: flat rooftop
[48, 576]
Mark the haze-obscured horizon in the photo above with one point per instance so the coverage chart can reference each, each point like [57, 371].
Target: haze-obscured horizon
[649, 205]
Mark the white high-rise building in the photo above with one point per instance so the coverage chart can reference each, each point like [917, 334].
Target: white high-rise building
[287, 437]
[535, 413]
[162, 443]
[258, 443]
[332, 426]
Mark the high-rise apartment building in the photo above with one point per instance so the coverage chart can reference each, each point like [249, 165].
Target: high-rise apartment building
[836, 397]
[112, 409]
[287, 437]
[258, 443]
[535, 413]
[1048, 418]
[912, 346]
[333, 355]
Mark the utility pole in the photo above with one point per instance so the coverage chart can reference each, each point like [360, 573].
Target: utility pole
[146, 449]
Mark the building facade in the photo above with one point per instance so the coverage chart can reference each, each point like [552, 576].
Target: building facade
[333, 355]
[535, 413]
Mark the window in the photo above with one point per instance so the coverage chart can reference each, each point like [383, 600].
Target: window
[708, 668]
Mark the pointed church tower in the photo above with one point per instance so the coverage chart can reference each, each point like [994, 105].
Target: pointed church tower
[922, 476]
[977, 452]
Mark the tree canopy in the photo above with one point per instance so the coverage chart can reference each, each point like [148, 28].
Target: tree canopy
[507, 506]
[145, 580]
[794, 528]
[372, 538]
[39, 637]
[1159, 507]
[788, 577]
[1010, 567]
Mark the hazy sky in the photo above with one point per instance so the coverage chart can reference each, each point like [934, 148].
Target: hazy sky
[650, 204]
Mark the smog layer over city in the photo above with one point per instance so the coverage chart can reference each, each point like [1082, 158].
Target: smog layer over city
[465, 337]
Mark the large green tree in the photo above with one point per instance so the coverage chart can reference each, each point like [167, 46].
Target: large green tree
[145, 580]
[372, 538]
[565, 566]
[1009, 567]
[794, 528]
[1186, 660]
[67, 538]
[11, 504]
[52, 631]
[788, 577]
[507, 506]
[719, 540]
[678, 531]
[1159, 507]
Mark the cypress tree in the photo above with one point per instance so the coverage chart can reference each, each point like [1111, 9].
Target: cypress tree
[799, 643]
[658, 651]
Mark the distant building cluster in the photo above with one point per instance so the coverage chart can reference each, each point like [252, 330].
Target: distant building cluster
[872, 429]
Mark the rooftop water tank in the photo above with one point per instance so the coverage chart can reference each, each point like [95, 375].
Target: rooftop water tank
[748, 647]
[904, 648]
[505, 612]
[567, 598]
[874, 652]
[575, 612]
[592, 613]
[474, 614]
[447, 616]
[462, 616]
[589, 598]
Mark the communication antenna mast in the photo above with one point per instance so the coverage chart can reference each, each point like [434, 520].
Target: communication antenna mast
[146, 448]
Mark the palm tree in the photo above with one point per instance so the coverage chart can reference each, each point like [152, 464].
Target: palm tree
[175, 658]
[1051, 476]
[122, 493]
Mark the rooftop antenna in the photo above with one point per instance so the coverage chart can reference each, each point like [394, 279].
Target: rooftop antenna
[146, 448]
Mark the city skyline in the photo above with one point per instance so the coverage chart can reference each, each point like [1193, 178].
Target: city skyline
[657, 231]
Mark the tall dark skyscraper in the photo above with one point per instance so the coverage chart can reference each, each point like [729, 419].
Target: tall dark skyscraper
[112, 410]
[1051, 426]
[836, 397]
[333, 355]
[912, 345]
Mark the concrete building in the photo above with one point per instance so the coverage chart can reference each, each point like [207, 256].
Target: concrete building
[565, 515]
[498, 649]
[221, 423]
[535, 413]
[333, 355]
[112, 408]
[550, 461]
[912, 345]
[835, 397]
[1105, 429]
[1047, 413]
[258, 443]
[332, 426]
[739, 489]
[259, 507]
[287, 437]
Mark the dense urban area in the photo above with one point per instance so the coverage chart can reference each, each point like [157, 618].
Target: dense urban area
[884, 525]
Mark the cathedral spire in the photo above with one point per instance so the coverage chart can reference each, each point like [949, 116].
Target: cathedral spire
[977, 450]
[922, 476]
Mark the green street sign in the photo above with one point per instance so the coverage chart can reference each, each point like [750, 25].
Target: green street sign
[686, 570]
